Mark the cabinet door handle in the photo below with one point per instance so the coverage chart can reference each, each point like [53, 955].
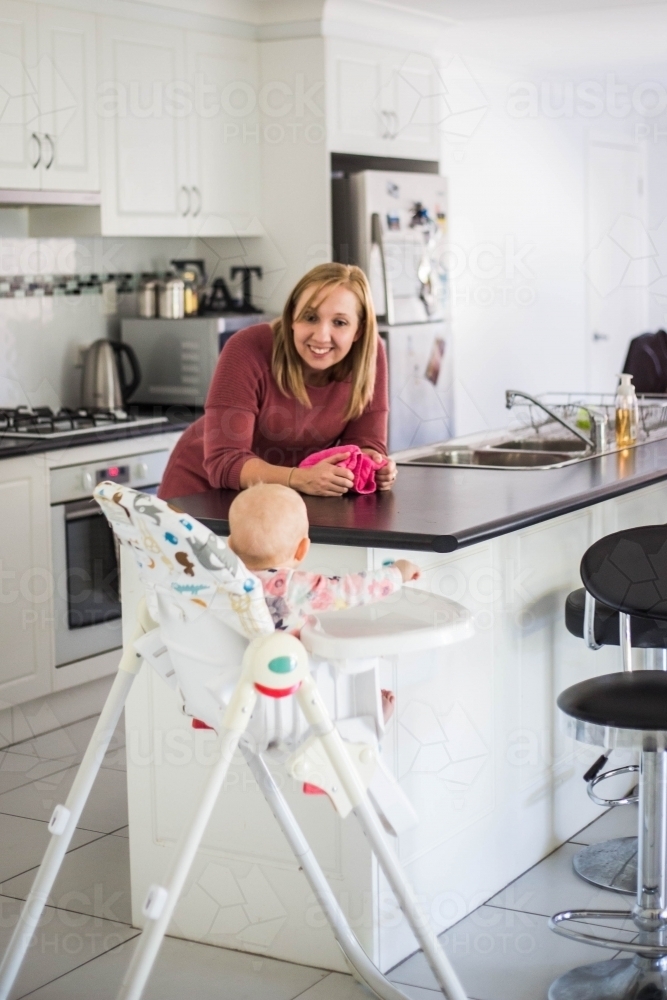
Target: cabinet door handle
[39, 150]
[600, 336]
[47, 166]
[188, 196]
[195, 190]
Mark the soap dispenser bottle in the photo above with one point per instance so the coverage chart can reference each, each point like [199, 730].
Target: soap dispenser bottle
[627, 412]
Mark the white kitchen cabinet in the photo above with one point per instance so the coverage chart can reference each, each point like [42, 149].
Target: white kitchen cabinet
[382, 102]
[224, 140]
[26, 581]
[67, 131]
[48, 136]
[19, 95]
[180, 132]
[143, 110]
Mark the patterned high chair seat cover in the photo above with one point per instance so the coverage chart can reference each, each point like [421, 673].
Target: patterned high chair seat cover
[208, 605]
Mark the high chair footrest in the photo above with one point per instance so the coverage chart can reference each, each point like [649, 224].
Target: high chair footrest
[558, 924]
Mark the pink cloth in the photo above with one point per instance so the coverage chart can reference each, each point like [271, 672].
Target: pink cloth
[362, 466]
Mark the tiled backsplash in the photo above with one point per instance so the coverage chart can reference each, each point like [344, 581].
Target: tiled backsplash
[50, 301]
[40, 341]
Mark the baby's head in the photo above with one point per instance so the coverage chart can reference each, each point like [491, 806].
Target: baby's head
[268, 527]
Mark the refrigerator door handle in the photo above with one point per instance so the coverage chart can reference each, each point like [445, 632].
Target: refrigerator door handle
[376, 240]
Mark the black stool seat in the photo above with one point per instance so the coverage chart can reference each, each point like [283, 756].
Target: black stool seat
[635, 701]
[647, 633]
[628, 571]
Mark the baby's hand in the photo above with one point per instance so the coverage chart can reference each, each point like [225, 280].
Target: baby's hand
[407, 569]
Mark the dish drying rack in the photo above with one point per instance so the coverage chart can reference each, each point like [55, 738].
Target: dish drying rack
[571, 406]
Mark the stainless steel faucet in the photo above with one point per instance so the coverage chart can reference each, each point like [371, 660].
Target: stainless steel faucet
[597, 441]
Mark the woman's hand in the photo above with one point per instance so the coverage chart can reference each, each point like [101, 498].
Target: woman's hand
[326, 479]
[385, 476]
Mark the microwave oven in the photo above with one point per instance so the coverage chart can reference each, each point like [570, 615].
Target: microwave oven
[177, 357]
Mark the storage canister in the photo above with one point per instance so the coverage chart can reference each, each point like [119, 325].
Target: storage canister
[172, 299]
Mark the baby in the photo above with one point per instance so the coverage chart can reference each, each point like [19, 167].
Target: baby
[268, 531]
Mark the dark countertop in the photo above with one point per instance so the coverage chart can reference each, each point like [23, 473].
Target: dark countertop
[439, 510]
[178, 418]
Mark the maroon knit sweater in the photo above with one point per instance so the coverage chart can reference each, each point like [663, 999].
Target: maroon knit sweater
[247, 416]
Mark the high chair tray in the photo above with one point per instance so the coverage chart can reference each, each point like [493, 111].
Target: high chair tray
[410, 621]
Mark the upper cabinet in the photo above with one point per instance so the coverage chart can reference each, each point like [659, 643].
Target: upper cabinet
[69, 158]
[180, 143]
[48, 137]
[223, 147]
[19, 159]
[382, 102]
[142, 118]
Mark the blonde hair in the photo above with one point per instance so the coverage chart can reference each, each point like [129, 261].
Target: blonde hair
[358, 365]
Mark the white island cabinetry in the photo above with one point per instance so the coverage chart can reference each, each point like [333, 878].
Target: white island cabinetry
[475, 743]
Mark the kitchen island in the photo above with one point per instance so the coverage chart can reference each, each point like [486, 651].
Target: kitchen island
[474, 741]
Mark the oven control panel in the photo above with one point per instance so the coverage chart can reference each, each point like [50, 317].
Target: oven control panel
[77, 482]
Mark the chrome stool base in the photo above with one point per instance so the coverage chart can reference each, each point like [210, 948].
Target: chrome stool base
[610, 865]
[619, 979]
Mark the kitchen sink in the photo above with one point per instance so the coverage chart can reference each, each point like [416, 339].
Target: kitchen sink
[571, 444]
[500, 457]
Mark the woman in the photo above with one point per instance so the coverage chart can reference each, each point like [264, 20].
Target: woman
[315, 378]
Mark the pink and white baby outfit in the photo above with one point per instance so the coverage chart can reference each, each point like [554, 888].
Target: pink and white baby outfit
[292, 595]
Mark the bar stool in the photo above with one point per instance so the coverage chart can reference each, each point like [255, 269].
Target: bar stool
[627, 711]
[612, 864]
[627, 573]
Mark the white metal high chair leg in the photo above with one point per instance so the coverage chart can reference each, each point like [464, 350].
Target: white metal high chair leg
[313, 708]
[65, 817]
[354, 953]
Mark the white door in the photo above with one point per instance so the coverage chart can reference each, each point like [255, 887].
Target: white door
[142, 107]
[19, 97]
[617, 259]
[68, 123]
[224, 147]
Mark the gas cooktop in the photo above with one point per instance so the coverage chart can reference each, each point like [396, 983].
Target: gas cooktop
[42, 423]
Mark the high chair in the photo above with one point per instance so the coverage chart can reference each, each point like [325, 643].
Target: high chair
[204, 626]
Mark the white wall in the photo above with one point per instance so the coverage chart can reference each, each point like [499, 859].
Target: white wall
[521, 182]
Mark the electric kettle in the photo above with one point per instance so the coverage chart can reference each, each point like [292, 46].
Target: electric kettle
[104, 384]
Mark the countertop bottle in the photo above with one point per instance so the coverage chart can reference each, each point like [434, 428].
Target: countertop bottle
[627, 412]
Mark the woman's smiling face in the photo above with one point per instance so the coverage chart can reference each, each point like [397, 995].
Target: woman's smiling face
[325, 330]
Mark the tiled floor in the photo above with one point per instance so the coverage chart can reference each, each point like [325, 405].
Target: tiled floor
[502, 951]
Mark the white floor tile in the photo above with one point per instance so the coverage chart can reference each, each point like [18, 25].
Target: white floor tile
[95, 879]
[502, 955]
[552, 886]
[619, 822]
[70, 742]
[62, 942]
[24, 842]
[18, 769]
[187, 970]
[339, 987]
[105, 810]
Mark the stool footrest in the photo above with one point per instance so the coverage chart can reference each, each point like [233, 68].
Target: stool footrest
[559, 921]
[627, 800]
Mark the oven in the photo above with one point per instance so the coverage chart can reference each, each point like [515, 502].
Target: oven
[85, 559]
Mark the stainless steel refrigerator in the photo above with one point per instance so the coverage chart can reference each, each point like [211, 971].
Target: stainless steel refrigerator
[393, 225]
